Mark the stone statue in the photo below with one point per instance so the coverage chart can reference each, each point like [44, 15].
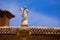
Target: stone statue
[24, 16]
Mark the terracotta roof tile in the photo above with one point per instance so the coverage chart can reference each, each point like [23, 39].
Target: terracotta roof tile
[44, 31]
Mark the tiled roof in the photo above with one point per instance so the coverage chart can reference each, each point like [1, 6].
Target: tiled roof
[32, 30]
[8, 30]
[7, 13]
[44, 30]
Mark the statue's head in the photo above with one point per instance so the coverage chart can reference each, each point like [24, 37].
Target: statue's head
[25, 8]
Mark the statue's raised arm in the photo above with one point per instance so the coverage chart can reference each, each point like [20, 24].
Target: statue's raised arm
[24, 10]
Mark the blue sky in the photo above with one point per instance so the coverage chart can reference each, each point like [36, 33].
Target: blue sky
[41, 12]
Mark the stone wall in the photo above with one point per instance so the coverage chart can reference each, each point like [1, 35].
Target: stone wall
[30, 37]
[22, 36]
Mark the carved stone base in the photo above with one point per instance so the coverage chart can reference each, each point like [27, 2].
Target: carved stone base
[24, 26]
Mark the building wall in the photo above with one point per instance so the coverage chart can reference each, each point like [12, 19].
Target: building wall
[4, 21]
[24, 35]
[44, 37]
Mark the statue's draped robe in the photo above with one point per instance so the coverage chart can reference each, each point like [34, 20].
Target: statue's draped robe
[24, 16]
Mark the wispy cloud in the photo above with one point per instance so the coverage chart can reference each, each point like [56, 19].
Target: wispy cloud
[39, 19]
